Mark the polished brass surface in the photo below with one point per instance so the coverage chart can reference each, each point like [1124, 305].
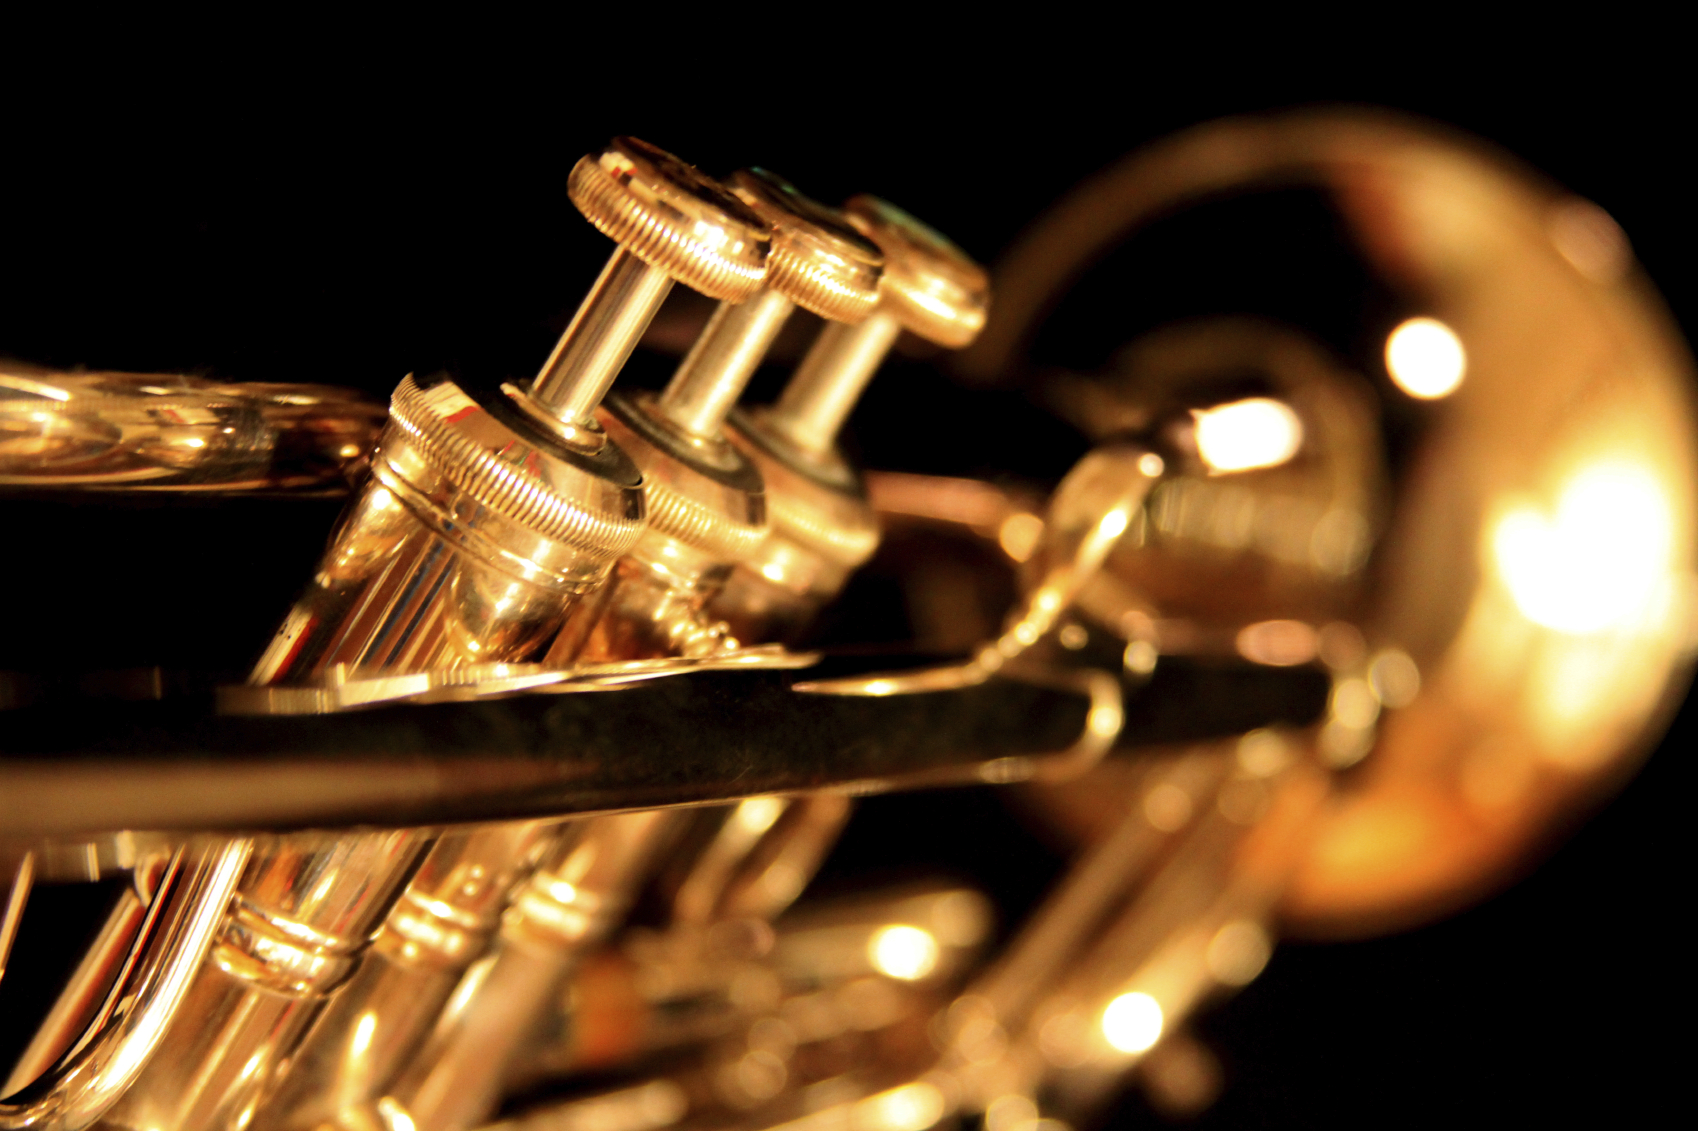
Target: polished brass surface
[762, 854]
[18, 886]
[469, 545]
[673, 216]
[706, 512]
[301, 917]
[607, 327]
[496, 533]
[1545, 640]
[672, 223]
[818, 968]
[1090, 516]
[930, 288]
[576, 897]
[81, 1001]
[147, 999]
[170, 432]
[441, 924]
[1478, 562]
[712, 376]
[822, 527]
[701, 505]
[818, 260]
[819, 530]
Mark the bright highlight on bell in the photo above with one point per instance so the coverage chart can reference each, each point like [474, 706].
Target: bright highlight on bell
[1602, 561]
[1425, 358]
[1132, 1022]
[901, 951]
[1247, 434]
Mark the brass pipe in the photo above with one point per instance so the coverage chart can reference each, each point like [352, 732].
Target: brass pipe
[165, 965]
[301, 916]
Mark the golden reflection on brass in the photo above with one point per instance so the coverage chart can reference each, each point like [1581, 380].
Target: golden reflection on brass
[1425, 358]
[162, 432]
[903, 951]
[1533, 658]
[1132, 1022]
[1499, 627]
[1246, 434]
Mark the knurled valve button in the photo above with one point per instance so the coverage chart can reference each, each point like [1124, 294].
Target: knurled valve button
[818, 260]
[930, 285]
[672, 217]
[822, 525]
[929, 288]
[673, 223]
[706, 500]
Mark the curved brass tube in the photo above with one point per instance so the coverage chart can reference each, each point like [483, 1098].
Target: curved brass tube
[169, 949]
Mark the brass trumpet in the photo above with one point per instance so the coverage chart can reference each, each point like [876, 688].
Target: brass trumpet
[514, 817]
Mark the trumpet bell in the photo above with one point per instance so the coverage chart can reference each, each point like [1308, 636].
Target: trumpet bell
[1485, 522]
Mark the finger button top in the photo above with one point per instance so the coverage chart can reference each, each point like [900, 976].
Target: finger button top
[672, 217]
[930, 285]
[818, 259]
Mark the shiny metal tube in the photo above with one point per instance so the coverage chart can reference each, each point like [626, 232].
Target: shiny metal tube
[1140, 916]
[1200, 925]
[17, 891]
[706, 513]
[442, 923]
[578, 894]
[1074, 913]
[167, 957]
[470, 543]
[816, 978]
[302, 914]
[169, 432]
[759, 855]
[609, 324]
[720, 363]
[79, 1006]
[764, 853]
[402, 615]
[703, 504]
[819, 398]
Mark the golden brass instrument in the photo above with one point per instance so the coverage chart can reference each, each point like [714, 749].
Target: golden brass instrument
[514, 818]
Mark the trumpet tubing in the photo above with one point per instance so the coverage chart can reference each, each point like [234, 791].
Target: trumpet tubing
[516, 815]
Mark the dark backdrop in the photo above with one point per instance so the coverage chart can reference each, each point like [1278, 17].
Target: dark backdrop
[348, 220]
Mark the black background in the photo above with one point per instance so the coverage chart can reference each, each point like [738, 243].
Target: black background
[347, 214]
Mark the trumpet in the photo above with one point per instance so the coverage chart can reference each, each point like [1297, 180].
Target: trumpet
[1324, 623]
